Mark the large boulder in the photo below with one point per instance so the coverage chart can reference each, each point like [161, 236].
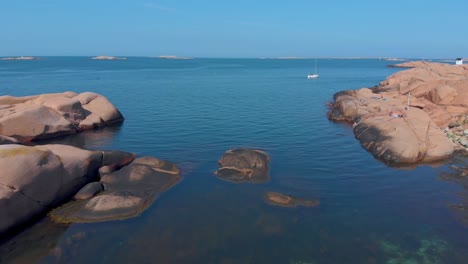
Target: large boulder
[243, 165]
[35, 179]
[50, 115]
[404, 118]
[127, 192]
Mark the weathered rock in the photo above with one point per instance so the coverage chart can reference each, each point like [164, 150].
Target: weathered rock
[50, 115]
[395, 132]
[35, 179]
[128, 192]
[243, 165]
[89, 191]
[279, 199]
[8, 140]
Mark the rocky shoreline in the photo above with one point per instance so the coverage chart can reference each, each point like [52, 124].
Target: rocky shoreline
[416, 115]
[74, 185]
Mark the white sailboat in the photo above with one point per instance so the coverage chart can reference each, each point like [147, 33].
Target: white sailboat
[315, 74]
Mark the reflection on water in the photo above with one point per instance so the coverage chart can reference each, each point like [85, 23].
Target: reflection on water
[93, 139]
[36, 243]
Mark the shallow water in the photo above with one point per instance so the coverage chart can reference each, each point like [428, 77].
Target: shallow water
[190, 112]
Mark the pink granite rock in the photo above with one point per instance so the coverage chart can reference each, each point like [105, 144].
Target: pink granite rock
[34, 179]
[396, 132]
[50, 115]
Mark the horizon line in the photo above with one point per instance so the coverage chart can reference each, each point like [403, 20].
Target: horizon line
[221, 57]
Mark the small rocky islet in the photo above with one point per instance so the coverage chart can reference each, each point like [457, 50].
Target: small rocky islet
[244, 165]
[21, 58]
[102, 57]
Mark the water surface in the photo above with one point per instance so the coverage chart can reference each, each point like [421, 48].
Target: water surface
[190, 112]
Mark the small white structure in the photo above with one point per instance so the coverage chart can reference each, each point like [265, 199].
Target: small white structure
[459, 61]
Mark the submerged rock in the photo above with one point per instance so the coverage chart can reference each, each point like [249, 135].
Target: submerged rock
[243, 165]
[49, 115]
[127, 192]
[428, 250]
[284, 200]
[89, 190]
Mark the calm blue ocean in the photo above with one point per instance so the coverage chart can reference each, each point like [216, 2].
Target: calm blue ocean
[191, 112]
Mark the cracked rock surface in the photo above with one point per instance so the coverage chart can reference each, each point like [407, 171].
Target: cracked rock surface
[407, 118]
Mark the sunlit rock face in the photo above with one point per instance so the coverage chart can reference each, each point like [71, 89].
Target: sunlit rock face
[244, 165]
[50, 115]
[416, 115]
[127, 192]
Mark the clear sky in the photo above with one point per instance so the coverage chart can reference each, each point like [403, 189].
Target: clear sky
[240, 28]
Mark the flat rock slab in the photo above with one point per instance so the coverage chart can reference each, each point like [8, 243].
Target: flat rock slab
[127, 193]
[283, 200]
[244, 165]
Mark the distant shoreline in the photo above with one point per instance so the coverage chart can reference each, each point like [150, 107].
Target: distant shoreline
[172, 57]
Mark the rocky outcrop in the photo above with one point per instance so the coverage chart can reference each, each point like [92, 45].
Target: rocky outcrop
[20, 58]
[243, 165]
[49, 115]
[35, 179]
[406, 118]
[107, 58]
[172, 57]
[283, 200]
[127, 192]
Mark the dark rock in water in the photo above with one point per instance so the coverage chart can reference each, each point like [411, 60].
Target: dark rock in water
[128, 192]
[284, 200]
[89, 190]
[243, 165]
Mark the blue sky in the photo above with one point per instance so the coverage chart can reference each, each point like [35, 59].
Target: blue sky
[241, 28]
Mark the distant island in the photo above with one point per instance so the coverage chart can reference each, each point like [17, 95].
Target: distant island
[394, 59]
[20, 58]
[172, 57]
[108, 58]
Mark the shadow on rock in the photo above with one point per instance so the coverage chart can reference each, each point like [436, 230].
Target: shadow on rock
[127, 192]
[244, 165]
